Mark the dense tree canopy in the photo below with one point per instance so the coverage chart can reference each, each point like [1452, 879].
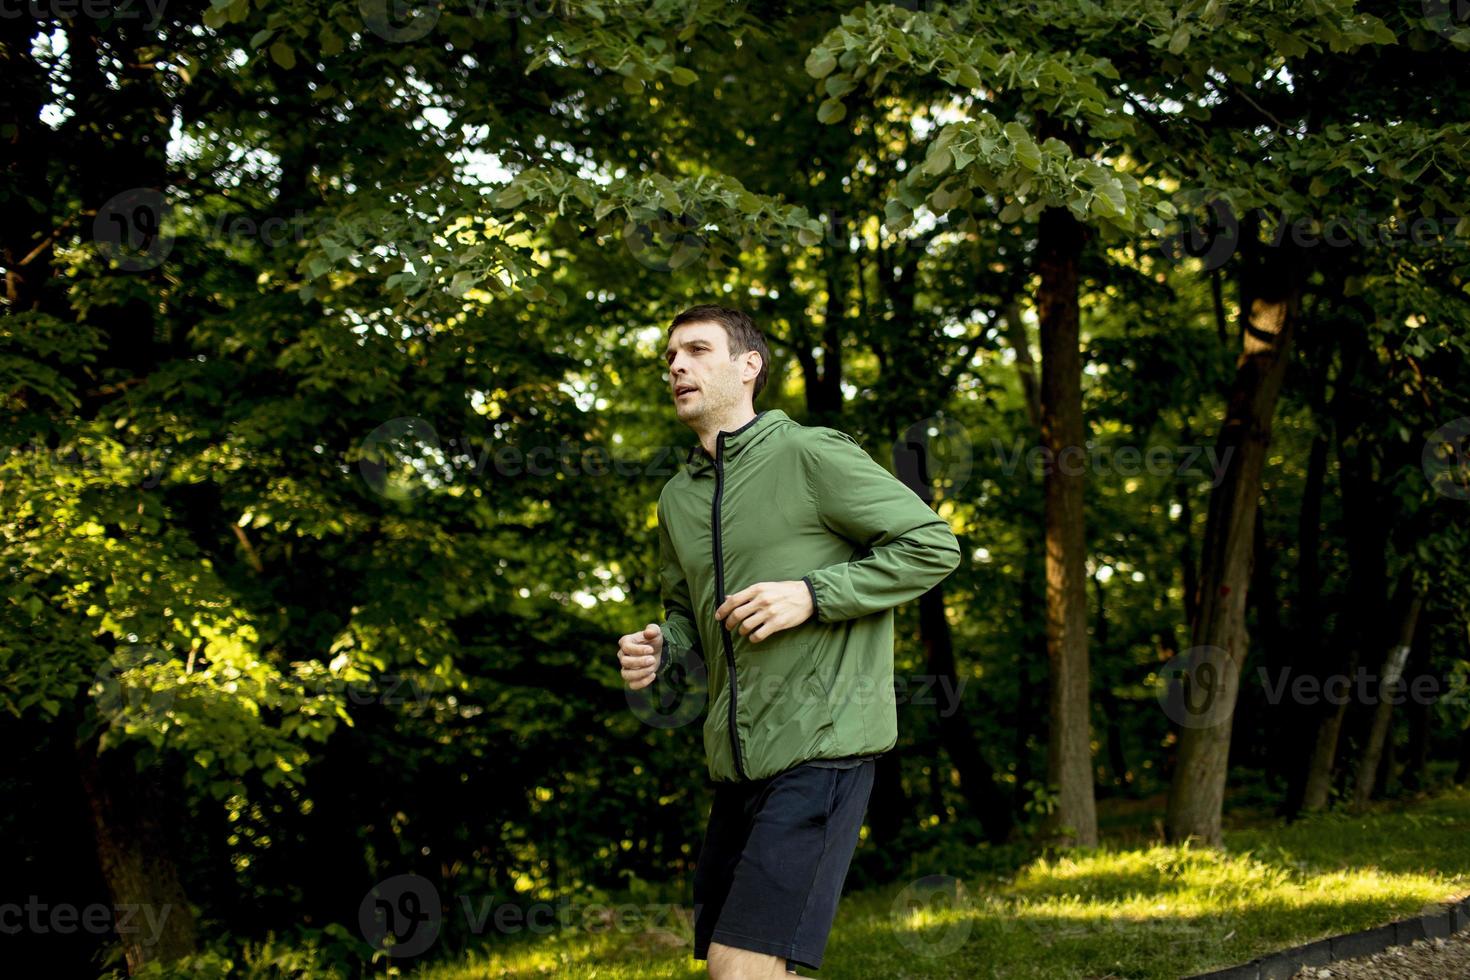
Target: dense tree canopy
[335, 421]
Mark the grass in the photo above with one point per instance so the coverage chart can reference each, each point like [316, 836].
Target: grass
[1134, 910]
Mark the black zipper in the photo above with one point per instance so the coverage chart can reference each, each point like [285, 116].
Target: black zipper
[720, 593]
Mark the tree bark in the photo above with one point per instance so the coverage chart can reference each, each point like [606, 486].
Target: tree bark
[1298, 728]
[154, 920]
[1187, 567]
[1270, 292]
[1410, 601]
[1421, 710]
[1069, 746]
[1111, 710]
[1366, 539]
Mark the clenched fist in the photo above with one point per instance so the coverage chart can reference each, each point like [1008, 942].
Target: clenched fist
[639, 654]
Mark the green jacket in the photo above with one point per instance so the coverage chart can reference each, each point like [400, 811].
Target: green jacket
[781, 501]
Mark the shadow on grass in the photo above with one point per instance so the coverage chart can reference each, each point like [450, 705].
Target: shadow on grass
[1143, 912]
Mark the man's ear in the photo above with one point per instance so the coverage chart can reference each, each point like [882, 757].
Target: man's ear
[758, 364]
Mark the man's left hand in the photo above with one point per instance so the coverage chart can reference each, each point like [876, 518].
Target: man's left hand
[765, 608]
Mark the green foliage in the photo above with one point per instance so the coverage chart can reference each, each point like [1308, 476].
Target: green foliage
[340, 677]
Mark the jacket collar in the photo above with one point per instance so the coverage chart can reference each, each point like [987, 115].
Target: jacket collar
[735, 440]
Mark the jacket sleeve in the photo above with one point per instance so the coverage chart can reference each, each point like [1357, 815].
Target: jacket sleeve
[910, 548]
[681, 635]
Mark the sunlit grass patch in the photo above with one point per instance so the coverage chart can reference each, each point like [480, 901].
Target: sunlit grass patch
[1151, 911]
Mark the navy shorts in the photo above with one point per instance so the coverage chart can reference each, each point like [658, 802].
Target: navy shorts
[775, 855]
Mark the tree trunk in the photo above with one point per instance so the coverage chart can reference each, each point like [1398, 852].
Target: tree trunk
[1187, 567]
[154, 921]
[1069, 747]
[890, 805]
[1270, 288]
[977, 779]
[1366, 539]
[1421, 710]
[1299, 728]
[1410, 601]
[1111, 710]
[1252, 712]
[1030, 708]
[1025, 366]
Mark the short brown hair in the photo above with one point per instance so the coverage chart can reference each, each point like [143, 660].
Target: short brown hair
[741, 331]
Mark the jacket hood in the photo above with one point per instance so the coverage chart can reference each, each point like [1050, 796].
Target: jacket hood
[733, 441]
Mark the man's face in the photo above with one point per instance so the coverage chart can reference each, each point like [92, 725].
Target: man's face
[704, 381]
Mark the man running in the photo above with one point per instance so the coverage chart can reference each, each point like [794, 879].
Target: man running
[783, 550]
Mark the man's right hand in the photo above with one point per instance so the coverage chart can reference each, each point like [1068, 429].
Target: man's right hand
[639, 654]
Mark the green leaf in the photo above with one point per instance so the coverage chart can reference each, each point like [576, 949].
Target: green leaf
[667, 192]
[260, 37]
[1028, 156]
[937, 161]
[839, 85]
[282, 55]
[683, 76]
[820, 62]
[331, 43]
[1180, 39]
[806, 236]
[1106, 201]
[946, 197]
[831, 111]
[509, 196]
[1011, 213]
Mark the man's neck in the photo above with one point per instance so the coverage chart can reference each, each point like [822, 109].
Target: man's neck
[708, 437]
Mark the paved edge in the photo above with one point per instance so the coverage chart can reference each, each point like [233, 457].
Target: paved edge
[1449, 920]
